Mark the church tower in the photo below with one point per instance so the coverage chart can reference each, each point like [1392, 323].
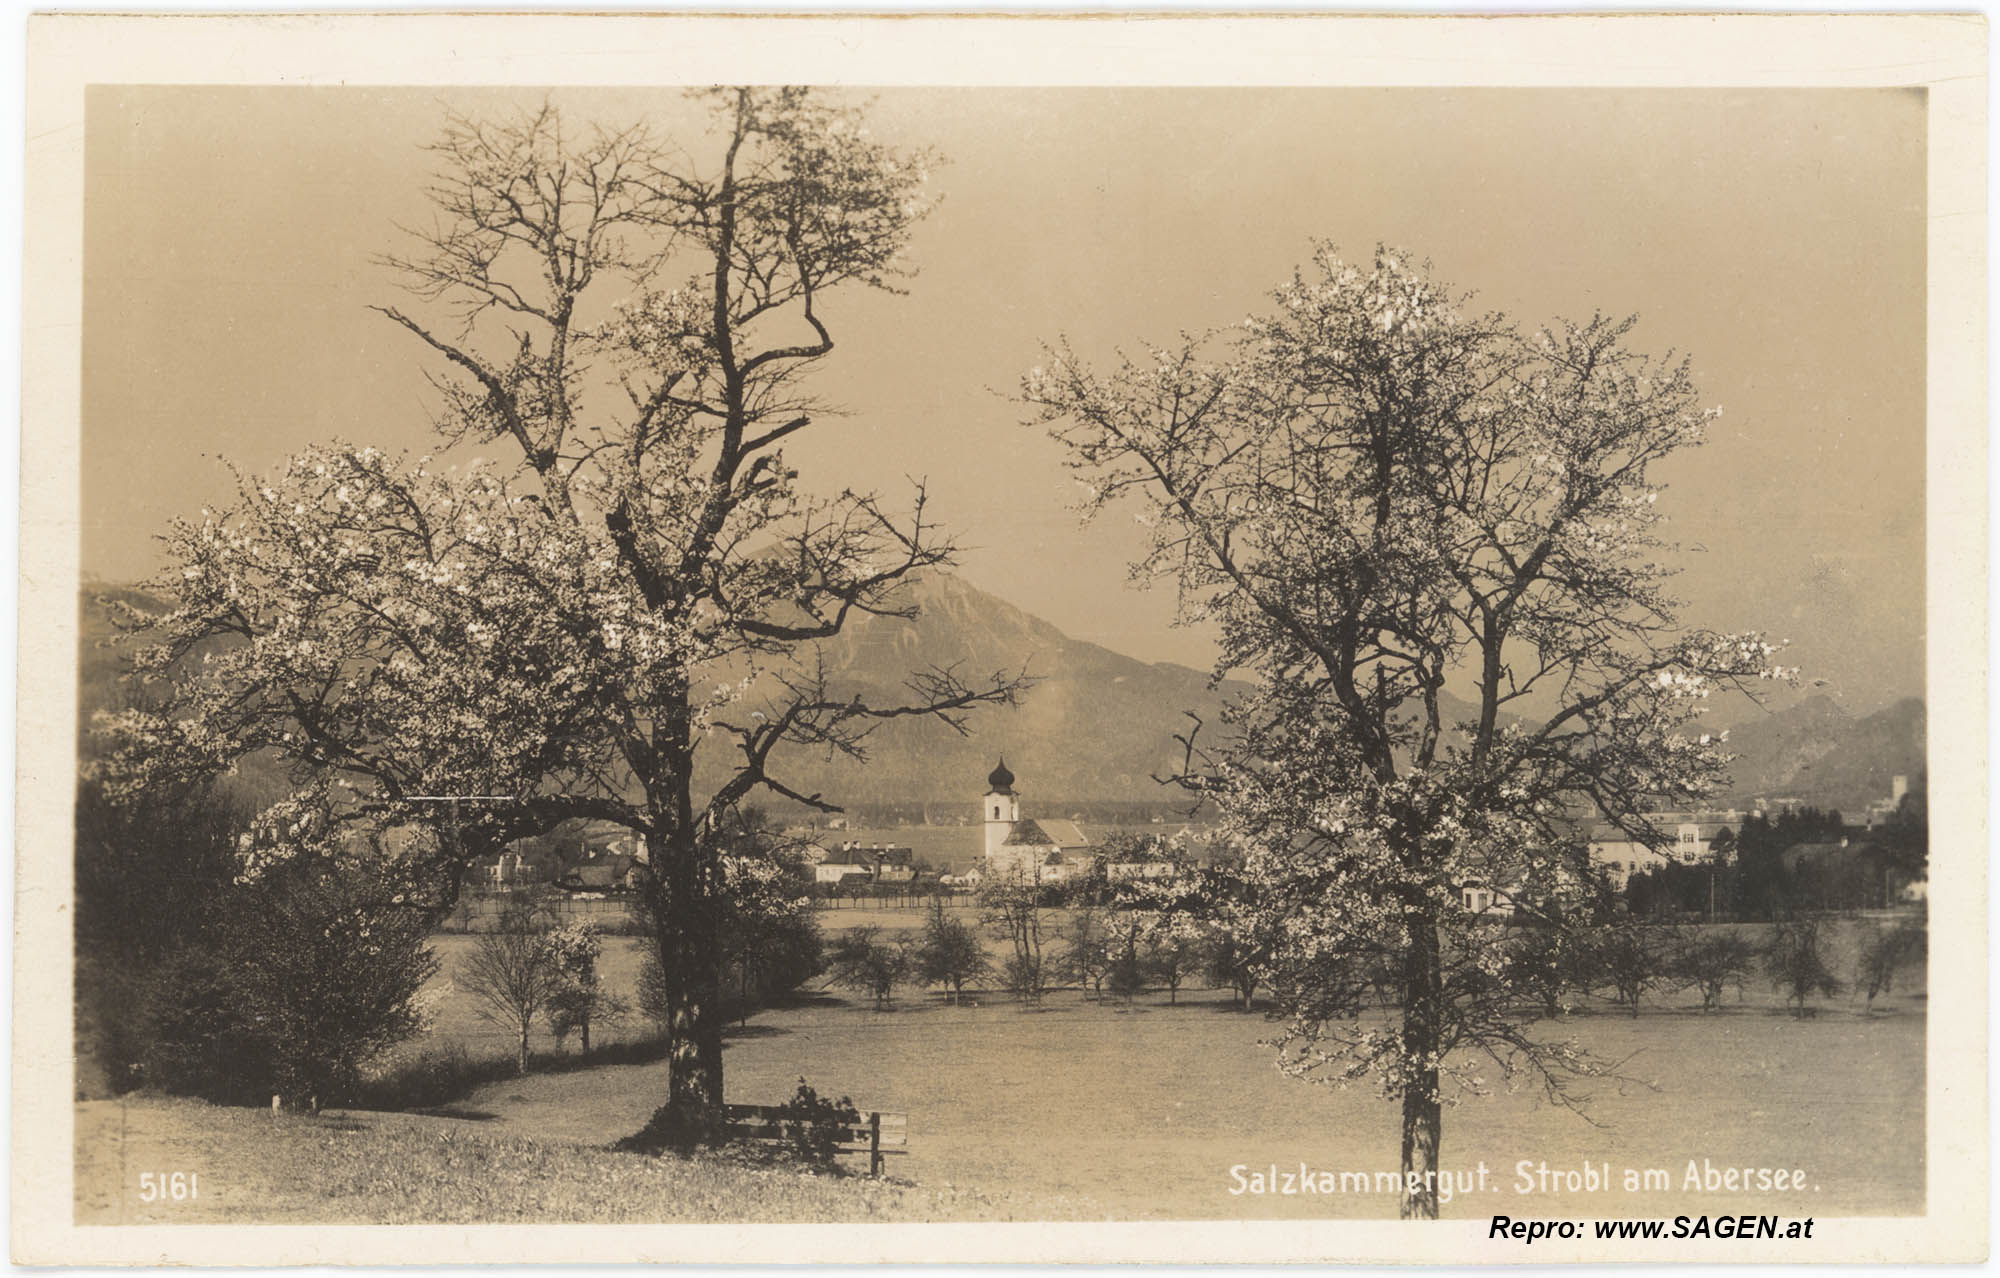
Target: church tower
[1000, 808]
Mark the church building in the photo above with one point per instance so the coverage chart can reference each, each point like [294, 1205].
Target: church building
[1022, 850]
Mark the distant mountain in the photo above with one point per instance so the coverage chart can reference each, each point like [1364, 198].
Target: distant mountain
[1096, 726]
[1818, 752]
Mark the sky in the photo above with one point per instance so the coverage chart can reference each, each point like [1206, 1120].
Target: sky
[1776, 237]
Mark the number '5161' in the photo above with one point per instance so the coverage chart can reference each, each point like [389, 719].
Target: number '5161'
[156, 1187]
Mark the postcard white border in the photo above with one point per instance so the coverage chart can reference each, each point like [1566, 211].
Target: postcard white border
[1944, 53]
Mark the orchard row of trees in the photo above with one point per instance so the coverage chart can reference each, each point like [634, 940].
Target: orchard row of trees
[1174, 938]
[1119, 950]
[1631, 961]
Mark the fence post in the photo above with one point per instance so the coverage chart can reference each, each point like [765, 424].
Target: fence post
[875, 1143]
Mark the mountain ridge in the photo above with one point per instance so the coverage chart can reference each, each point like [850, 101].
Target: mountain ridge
[1098, 726]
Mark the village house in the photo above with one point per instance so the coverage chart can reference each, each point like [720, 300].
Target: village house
[853, 862]
[1477, 896]
[1692, 838]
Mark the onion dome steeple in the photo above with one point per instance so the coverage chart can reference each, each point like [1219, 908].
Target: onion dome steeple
[1000, 781]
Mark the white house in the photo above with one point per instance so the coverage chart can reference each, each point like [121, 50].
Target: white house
[1478, 896]
[840, 871]
[1693, 838]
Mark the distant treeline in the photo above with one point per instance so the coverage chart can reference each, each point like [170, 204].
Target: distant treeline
[1803, 862]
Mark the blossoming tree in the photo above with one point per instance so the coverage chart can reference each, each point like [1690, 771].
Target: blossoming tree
[1386, 502]
[627, 598]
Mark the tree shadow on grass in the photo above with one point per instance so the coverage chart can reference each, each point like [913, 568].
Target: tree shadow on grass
[733, 1032]
[450, 1111]
[332, 1122]
[1233, 1008]
[804, 999]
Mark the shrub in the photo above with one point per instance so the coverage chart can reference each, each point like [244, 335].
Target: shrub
[152, 868]
[331, 976]
[436, 1074]
[814, 1128]
[300, 981]
[198, 1037]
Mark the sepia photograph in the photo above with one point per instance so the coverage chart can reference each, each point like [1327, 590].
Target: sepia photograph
[1106, 652]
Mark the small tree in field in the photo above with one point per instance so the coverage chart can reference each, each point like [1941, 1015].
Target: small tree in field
[770, 936]
[860, 960]
[1127, 968]
[579, 999]
[949, 953]
[1215, 907]
[512, 975]
[1630, 958]
[1377, 494]
[1175, 951]
[1012, 911]
[1550, 964]
[1084, 957]
[1888, 952]
[1797, 966]
[1711, 962]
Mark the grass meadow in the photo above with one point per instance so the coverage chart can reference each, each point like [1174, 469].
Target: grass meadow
[1079, 1108]
[368, 1168]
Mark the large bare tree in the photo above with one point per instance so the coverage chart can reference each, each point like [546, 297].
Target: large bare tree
[628, 600]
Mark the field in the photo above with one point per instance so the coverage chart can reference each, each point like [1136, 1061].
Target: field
[1142, 1111]
[1086, 1109]
[392, 1169]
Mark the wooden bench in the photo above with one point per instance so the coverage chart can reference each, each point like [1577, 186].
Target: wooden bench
[874, 1134]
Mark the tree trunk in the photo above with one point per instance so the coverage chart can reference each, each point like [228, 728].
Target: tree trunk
[687, 941]
[585, 1027]
[524, 1048]
[1423, 1114]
